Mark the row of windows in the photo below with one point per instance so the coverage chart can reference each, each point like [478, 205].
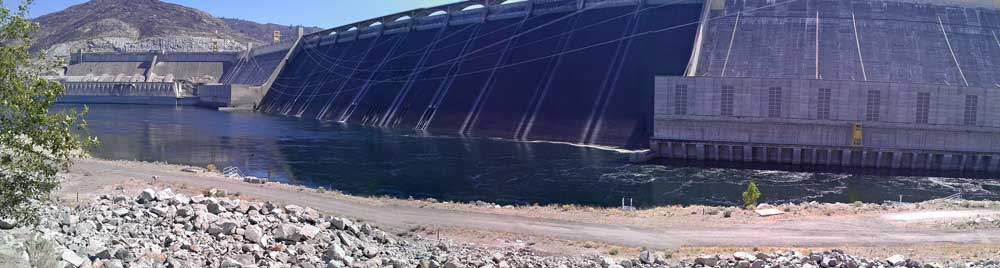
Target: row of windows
[872, 108]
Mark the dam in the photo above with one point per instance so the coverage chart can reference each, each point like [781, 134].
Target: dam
[880, 84]
[902, 84]
[565, 70]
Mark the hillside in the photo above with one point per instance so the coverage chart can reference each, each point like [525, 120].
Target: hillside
[264, 32]
[140, 25]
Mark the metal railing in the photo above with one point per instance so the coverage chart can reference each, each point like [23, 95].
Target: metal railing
[956, 196]
[233, 172]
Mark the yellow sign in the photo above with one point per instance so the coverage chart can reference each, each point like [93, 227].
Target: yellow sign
[277, 36]
[857, 139]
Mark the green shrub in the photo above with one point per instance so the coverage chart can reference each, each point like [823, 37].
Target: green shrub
[751, 196]
[37, 140]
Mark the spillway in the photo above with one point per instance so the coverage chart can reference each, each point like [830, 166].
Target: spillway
[565, 70]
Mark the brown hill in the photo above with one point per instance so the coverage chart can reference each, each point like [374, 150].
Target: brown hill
[140, 25]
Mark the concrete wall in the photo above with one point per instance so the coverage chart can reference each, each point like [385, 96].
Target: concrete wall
[223, 95]
[927, 41]
[256, 68]
[795, 114]
[121, 93]
[198, 72]
[198, 67]
[97, 69]
[530, 70]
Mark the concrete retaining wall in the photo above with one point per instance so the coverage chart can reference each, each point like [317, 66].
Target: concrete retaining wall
[786, 120]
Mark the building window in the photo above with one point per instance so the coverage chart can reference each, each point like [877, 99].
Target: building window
[923, 107]
[823, 104]
[727, 100]
[874, 103]
[971, 109]
[774, 102]
[681, 100]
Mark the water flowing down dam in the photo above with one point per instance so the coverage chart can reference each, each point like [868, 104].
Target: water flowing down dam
[533, 70]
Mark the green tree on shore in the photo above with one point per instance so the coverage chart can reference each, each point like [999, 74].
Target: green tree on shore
[751, 195]
[35, 144]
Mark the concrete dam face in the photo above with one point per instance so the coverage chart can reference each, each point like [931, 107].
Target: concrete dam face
[883, 84]
[563, 70]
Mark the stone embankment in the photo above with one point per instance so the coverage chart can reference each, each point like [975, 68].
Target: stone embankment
[164, 229]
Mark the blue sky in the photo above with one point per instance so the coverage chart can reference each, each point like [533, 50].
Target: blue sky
[322, 13]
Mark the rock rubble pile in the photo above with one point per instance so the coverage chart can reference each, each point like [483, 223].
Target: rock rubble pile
[829, 259]
[164, 229]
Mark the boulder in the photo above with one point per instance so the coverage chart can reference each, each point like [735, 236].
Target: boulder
[340, 223]
[165, 194]
[7, 224]
[184, 212]
[607, 262]
[119, 199]
[114, 264]
[146, 196]
[70, 257]
[829, 262]
[223, 226]
[230, 263]
[453, 264]
[744, 256]
[896, 260]
[180, 199]
[230, 204]
[253, 234]
[337, 253]
[214, 206]
[648, 257]
[707, 260]
[160, 211]
[293, 209]
[309, 231]
[204, 220]
[105, 253]
[288, 232]
[85, 229]
[120, 212]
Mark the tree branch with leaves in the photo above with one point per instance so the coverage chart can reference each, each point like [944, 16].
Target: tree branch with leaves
[35, 142]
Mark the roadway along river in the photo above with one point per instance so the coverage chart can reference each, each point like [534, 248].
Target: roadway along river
[401, 163]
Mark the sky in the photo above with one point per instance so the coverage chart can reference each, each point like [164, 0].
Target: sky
[321, 13]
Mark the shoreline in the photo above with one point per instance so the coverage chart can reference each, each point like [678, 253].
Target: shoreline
[865, 229]
[562, 206]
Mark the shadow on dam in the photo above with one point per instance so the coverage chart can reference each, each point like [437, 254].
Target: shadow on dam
[580, 76]
[369, 161]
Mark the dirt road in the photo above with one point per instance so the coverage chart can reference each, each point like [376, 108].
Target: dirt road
[93, 176]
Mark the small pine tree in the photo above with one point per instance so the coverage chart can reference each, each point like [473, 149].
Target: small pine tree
[751, 195]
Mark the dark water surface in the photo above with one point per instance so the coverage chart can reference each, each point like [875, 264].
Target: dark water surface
[371, 161]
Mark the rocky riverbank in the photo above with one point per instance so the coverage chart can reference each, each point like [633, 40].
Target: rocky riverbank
[164, 229]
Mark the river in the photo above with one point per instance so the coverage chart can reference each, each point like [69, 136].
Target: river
[403, 163]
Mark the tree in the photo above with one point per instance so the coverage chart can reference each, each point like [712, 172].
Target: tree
[751, 195]
[35, 144]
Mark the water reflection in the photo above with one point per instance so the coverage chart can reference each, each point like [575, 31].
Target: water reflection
[402, 163]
